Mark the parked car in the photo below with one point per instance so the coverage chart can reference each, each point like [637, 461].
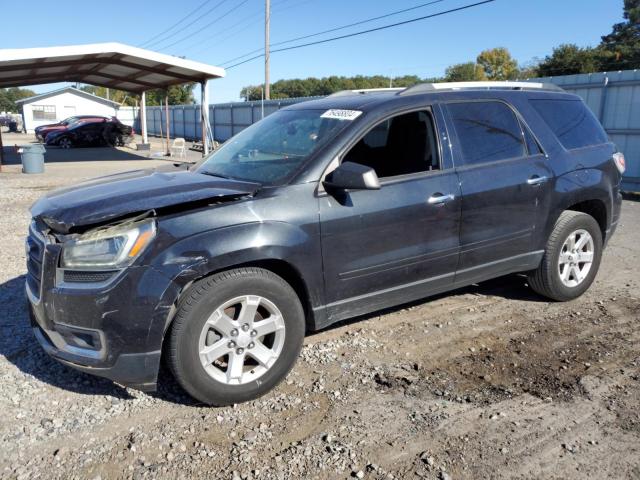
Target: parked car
[92, 134]
[43, 130]
[5, 119]
[322, 211]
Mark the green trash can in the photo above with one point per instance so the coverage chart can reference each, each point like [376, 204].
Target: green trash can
[32, 157]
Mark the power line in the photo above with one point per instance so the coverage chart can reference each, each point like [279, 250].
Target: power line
[197, 19]
[258, 16]
[362, 32]
[207, 25]
[175, 24]
[372, 19]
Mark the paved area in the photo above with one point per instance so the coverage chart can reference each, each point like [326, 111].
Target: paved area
[157, 151]
[490, 381]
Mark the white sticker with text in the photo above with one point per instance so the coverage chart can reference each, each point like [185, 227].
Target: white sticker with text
[341, 114]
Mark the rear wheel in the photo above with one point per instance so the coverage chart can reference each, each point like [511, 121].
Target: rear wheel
[571, 258]
[236, 335]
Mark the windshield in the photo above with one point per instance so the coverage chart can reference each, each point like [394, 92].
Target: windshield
[271, 150]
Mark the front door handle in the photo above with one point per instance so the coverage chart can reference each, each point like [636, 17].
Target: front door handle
[536, 180]
[439, 198]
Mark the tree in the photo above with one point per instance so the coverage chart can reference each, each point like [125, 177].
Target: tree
[568, 59]
[309, 87]
[120, 96]
[498, 64]
[620, 50]
[9, 96]
[464, 72]
[178, 95]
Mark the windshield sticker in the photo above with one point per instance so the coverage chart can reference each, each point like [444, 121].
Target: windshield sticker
[341, 114]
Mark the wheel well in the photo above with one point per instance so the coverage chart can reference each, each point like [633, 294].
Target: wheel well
[280, 268]
[597, 210]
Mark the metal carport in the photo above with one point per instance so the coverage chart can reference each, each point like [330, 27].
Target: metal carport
[112, 65]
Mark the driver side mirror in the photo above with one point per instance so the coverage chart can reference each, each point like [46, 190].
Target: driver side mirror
[352, 176]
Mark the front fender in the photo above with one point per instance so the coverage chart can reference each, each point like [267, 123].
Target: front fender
[199, 255]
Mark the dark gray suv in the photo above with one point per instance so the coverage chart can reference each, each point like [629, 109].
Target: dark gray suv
[322, 211]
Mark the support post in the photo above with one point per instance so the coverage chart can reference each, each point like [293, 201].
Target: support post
[267, 27]
[143, 117]
[166, 117]
[204, 115]
[1, 150]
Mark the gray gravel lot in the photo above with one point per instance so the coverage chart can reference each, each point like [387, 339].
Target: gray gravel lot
[488, 381]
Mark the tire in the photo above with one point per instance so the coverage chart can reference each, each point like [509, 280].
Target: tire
[203, 324]
[564, 282]
[65, 142]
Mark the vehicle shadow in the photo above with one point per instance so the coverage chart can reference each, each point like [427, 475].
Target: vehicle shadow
[510, 287]
[90, 154]
[19, 347]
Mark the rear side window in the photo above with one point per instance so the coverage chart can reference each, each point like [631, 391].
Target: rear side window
[487, 131]
[572, 122]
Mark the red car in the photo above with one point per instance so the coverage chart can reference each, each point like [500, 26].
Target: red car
[43, 130]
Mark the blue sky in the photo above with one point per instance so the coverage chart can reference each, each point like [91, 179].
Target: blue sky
[528, 28]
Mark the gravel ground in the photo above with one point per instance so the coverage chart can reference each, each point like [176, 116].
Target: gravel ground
[486, 382]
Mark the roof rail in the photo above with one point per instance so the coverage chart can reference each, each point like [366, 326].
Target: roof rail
[504, 85]
[365, 90]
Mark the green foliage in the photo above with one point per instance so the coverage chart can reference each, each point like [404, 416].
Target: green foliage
[120, 96]
[310, 87]
[620, 50]
[464, 72]
[178, 95]
[498, 64]
[568, 59]
[8, 97]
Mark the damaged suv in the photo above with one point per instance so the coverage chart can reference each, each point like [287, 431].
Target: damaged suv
[324, 210]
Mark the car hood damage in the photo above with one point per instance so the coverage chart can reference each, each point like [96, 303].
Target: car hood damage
[117, 196]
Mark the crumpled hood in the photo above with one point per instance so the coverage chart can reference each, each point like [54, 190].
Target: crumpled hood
[115, 196]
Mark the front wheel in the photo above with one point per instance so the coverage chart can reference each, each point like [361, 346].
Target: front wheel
[571, 258]
[236, 335]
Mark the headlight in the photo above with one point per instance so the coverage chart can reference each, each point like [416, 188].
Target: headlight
[114, 247]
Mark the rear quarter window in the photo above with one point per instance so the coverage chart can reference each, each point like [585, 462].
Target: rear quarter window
[572, 122]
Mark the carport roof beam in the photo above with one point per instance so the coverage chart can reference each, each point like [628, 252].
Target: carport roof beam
[112, 65]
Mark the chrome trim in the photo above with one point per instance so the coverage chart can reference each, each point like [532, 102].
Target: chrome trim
[440, 199]
[537, 180]
[58, 342]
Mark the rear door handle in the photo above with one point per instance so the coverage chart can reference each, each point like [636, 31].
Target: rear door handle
[536, 180]
[439, 198]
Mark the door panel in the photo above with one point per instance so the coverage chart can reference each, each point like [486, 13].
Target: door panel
[383, 247]
[502, 184]
[500, 209]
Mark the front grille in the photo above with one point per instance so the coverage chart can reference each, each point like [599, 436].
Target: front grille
[35, 253]
[86, 276]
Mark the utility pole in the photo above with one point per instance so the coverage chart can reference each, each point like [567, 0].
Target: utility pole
[267, 21]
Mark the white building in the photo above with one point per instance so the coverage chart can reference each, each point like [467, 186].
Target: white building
[59, 104]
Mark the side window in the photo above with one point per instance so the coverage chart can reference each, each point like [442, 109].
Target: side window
[572, 122]
[532, 145]
[400, 145]
[487, 131]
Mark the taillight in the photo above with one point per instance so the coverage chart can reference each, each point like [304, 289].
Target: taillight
[618, 158]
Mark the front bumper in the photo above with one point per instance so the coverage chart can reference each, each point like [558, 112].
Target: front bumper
[136, 370]
[112, 328]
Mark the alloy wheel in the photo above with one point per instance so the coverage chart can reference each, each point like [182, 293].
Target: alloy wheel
[241, 340]
[576, 258]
